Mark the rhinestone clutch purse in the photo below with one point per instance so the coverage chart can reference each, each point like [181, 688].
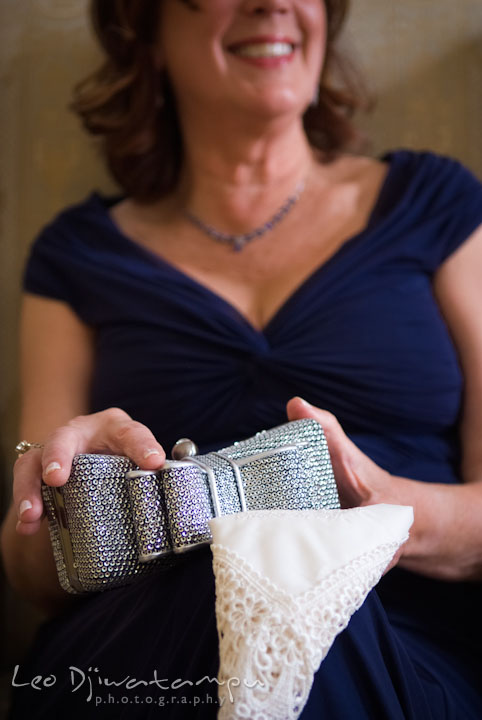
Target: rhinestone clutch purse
[112, 523]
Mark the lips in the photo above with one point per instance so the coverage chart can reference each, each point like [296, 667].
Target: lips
[263, 48]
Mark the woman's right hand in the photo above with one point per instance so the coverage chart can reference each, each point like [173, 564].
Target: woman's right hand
[111, 431]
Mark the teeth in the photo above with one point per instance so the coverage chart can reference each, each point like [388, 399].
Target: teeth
[262, 50]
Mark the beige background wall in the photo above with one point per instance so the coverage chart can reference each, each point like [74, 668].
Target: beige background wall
[423, 58]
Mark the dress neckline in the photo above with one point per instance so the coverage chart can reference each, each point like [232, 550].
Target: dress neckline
[379, 212]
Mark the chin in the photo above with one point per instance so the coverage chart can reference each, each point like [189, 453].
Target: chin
[275, 104]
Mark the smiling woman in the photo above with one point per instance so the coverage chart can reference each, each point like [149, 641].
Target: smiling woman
[220, 121]
[219, 56]
[132, 108]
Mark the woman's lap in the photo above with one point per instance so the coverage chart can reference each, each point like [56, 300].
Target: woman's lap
[157, 641]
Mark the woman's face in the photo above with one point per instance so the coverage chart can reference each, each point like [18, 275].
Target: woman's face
[263, 56]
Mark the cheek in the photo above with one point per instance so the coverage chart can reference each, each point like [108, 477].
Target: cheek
[314, 20]
[191, 64]
[188, 33]
[312, 8]
[313, 15]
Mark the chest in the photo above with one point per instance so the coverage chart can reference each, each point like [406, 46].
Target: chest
[260, 279]
[364, 342]
[259, 283]
[266, 273]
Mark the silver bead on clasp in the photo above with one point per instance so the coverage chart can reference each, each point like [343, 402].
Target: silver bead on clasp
[184, 448]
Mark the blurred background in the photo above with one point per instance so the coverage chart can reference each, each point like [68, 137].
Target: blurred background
[422, 59]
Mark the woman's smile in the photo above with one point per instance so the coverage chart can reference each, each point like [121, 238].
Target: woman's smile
[225, 57]
[265, 51]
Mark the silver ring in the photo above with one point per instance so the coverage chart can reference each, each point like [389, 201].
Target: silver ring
[24, 446]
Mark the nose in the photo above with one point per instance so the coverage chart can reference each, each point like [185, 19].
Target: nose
[266, 7]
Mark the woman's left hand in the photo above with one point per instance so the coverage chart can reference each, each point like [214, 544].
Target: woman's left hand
[446, 537]
[360, 481]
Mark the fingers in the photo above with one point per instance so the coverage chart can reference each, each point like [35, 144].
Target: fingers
[395, 559]
[128, 437]
[297, 408]
[59, 450]
[111, 431]
[27, 497]
[357, 476]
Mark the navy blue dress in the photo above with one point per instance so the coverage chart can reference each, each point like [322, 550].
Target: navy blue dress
[364, 338]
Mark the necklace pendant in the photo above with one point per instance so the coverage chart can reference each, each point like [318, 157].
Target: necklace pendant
[237, 242]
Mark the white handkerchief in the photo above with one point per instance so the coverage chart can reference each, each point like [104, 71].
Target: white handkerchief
[287, 582]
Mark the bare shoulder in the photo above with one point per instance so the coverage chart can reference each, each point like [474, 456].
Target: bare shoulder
[352, 183]
[346, 167]
[130, 214]
[361, 175]
[127, 215]
[151, 225]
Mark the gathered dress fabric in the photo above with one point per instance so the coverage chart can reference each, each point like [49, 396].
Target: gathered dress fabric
[362, 337]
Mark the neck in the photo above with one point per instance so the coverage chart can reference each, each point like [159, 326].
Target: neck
[231, 176]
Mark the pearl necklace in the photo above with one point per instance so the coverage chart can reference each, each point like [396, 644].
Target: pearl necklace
[238, 242]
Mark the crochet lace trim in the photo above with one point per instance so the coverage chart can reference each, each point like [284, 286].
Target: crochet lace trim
[272, 643]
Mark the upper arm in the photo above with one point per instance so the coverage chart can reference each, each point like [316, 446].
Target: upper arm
[458, 287]
[56, 350]
[56, 368]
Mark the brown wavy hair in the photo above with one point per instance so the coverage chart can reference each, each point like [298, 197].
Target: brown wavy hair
[139, 134]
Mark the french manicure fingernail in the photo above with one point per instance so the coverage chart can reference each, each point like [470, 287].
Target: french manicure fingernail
[24, 505]
[51, 467]
[148, 453]
[305, 402]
